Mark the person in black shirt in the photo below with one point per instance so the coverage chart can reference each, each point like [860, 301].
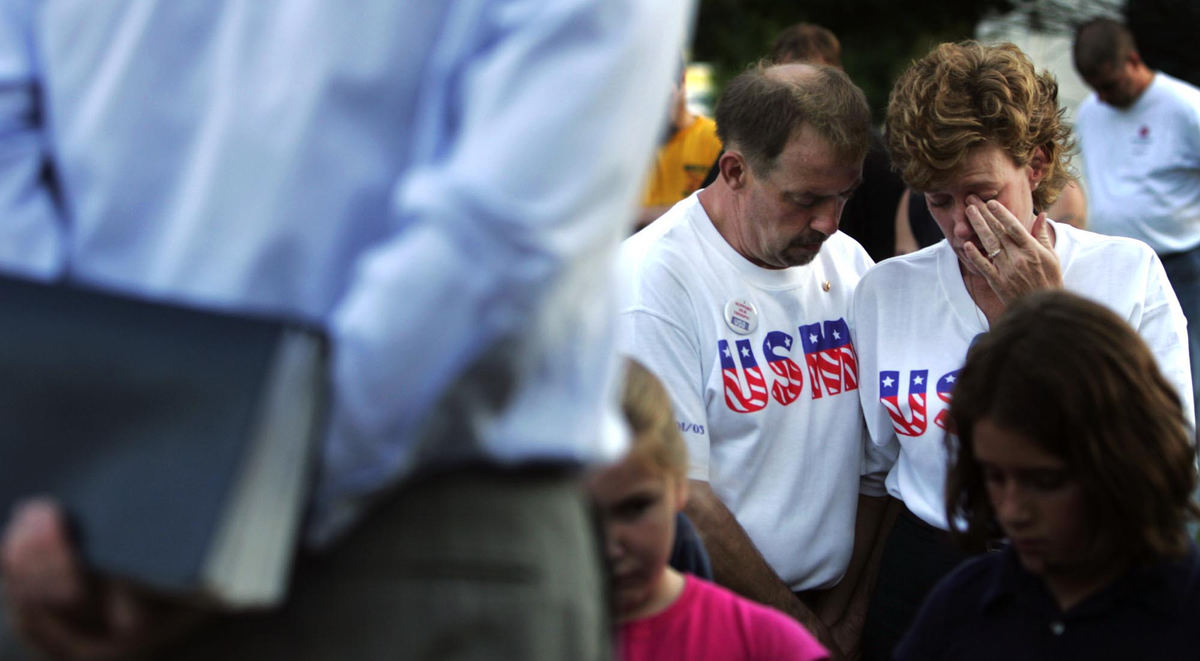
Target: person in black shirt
[1072, 459]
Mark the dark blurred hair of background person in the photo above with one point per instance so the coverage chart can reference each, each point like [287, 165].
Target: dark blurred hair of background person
[806, 42]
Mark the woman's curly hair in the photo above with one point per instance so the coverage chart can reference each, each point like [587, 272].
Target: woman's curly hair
[967, 94]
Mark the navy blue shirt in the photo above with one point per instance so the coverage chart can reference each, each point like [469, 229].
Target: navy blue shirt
[688, 553]
[991, 608]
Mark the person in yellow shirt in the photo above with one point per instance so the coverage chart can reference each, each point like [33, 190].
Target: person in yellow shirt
[689, 149]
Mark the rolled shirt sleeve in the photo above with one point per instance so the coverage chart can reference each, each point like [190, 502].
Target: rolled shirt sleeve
[31, 227]
[535, 125]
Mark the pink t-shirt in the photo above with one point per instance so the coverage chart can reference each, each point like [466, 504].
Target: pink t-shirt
[710, 622]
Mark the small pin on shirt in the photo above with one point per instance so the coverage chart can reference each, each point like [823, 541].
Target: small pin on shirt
[825, 285]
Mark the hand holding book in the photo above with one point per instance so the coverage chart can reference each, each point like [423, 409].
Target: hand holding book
[177, 442]
[54, 602]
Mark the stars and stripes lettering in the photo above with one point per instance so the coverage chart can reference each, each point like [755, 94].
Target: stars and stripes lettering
[945, 386]
[907, 419]
[745, 388]
[829, 353]
[789, 382]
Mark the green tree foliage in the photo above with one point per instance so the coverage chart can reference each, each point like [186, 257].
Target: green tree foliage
[1165, 31]
[879, 37]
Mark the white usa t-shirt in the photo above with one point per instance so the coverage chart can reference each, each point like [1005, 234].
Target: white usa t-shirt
[914, 322]
[763, 377]
[1142, 165]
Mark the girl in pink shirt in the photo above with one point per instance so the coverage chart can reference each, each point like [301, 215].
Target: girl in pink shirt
[663, 614]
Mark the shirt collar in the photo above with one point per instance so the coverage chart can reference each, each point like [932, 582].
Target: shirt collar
[1008, 582]
[1163, 587]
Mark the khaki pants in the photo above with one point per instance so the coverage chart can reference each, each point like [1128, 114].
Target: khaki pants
[469, 565]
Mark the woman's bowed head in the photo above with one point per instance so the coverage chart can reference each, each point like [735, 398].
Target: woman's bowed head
[1072, 445]
[979, 132]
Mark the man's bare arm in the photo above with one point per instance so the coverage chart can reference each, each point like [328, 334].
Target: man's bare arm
[844, 607]
[737, 563]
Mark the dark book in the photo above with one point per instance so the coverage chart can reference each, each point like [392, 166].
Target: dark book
[180, 441]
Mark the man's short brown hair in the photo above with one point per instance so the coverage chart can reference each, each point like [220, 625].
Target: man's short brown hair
[765, 105]
[965, 95]
[1101, 43]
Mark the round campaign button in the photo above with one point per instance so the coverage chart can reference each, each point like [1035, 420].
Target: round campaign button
[741, 316]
